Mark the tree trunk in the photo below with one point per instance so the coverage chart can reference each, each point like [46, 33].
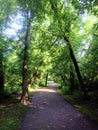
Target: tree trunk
[75, 65]
[54, 8]
[46, 79]
[34, 75]
[25, 95]
[72, 84]
[1, 74]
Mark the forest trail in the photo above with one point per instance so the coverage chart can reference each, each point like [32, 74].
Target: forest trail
[49, 111]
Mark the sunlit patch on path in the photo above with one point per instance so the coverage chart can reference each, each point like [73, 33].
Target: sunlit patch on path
[46, 90]
[49, 111]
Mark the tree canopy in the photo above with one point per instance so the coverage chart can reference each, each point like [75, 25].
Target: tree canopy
[48, 39]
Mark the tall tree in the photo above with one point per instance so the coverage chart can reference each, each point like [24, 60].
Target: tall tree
[25, 96]
[65, 35]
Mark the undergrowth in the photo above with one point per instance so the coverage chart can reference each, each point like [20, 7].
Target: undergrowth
[11, 114]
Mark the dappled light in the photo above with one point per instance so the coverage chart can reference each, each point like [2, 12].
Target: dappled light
[49, 47]
[49, 111]
[46, 90]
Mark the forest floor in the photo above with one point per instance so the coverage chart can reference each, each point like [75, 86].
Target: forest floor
[11, 113]
[49, 111]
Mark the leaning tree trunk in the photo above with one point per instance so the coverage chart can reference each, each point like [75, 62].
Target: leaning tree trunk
[54, 8]
[25, 95]
[72, 83]
[1, 74]
[75, 65]
[34, 75]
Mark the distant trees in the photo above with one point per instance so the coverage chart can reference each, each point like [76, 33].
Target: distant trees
[52, 38]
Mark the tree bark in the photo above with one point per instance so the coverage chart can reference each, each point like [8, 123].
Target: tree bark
[54, 8]
[72, 83]
[34, 75]
[75, 65]
[46, 79]
[25, 94]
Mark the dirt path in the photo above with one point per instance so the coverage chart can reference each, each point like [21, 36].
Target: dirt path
[51, 112]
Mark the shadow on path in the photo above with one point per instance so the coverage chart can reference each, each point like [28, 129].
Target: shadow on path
[49, 111]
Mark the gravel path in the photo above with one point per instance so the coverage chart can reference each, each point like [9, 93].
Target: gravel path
[49, 111]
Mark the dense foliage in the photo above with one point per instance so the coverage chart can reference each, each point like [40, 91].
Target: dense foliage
[49, 39]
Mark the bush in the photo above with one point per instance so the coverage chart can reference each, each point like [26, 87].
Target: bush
[65, 89]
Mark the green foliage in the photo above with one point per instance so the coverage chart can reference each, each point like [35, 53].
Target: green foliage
[48, 52]
[65, 89]
[42, 83]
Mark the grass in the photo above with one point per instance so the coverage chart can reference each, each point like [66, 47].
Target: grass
[90, 110]
[11, 114]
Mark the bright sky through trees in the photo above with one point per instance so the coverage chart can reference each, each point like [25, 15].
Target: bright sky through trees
[66, 30]
[14, 26]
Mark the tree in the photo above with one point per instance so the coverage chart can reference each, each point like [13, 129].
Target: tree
[64, 34]
[50, 41]
[25, 96]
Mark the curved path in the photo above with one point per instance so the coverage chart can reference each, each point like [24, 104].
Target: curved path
[49, 111]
